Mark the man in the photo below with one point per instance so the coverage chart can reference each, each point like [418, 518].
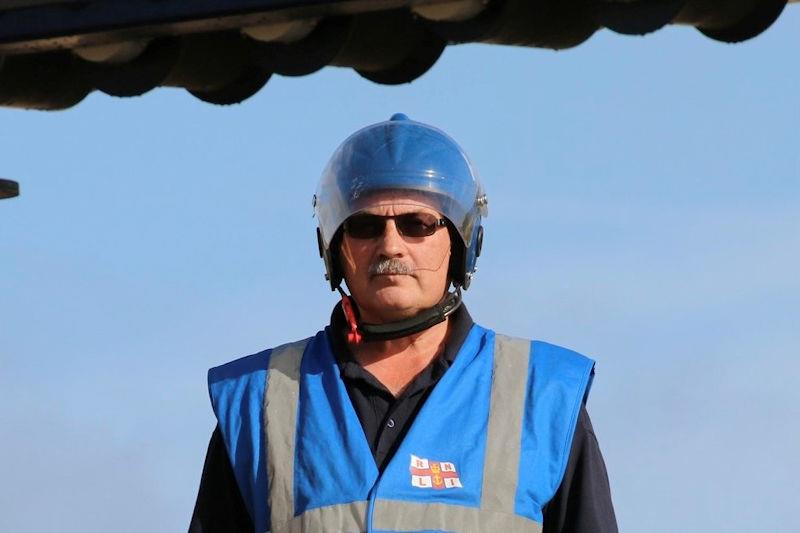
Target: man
[403, 415]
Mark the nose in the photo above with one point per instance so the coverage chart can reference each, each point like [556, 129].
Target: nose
[391, 242]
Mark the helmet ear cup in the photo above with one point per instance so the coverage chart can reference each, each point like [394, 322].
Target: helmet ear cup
[336, 274]
[330, 256]
[463, 259]
[456, 266]
[472, 253]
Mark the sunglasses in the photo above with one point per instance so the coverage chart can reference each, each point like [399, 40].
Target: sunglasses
[366, 226]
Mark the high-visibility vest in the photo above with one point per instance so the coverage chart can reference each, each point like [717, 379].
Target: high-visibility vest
[485, 453]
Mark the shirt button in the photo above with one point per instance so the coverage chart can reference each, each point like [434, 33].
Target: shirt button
[390, 423]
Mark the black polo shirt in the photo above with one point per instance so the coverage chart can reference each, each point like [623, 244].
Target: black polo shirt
[386, 419]
[582, 503]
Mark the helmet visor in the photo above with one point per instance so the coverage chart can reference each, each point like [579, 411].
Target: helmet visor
[402, 158]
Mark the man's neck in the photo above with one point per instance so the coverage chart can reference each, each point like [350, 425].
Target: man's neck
[395, 363]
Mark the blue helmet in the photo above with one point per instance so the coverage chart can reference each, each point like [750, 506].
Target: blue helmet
[405, 156]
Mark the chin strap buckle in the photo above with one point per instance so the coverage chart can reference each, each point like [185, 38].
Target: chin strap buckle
[353, 336]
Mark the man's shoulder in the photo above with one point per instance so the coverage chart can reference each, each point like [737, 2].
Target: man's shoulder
[240, 384]
[240, 367]
[256, 363]
[539, 348]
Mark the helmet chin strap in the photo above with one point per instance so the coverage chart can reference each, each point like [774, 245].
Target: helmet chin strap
[360, 331]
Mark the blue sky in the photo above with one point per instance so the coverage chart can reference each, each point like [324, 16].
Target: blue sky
[644, 198]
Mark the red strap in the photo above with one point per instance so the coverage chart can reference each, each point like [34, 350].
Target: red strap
[353, 336]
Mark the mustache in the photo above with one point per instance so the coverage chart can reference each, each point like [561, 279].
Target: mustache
[389, 266]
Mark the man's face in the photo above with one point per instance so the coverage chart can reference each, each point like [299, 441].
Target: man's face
[394, 276]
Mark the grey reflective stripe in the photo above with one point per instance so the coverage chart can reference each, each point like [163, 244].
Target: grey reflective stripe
[395, 515]
[342, 518]
[500, 476]
[504, 435]
[280, 421]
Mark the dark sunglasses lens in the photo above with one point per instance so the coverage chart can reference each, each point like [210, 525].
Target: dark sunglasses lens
[409, 224]
[364, 226]
[417, 224]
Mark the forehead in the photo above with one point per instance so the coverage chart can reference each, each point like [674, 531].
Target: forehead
[404, 201]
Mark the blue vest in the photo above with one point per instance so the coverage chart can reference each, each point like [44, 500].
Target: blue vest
[487, 450]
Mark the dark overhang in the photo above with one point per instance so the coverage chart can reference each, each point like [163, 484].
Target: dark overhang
[54, 52]
[8, 189]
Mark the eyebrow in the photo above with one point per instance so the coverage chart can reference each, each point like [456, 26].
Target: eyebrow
[418, 209]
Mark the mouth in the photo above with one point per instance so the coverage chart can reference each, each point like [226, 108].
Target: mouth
[389, 275]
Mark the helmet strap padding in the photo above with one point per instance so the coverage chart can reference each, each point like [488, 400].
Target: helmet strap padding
[408, 326]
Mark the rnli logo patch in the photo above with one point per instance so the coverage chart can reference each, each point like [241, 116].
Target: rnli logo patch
[427, 474]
